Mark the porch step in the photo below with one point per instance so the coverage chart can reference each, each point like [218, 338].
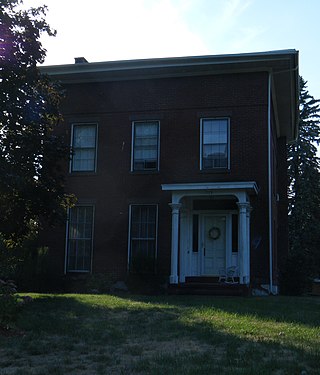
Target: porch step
[206, 279]
[208, 288]
[202, 279]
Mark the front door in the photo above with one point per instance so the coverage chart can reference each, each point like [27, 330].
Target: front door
[214, 244]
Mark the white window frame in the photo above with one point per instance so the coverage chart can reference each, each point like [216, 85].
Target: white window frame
[129, 231]
[66, 270]
[73, 125]
[133, 142]
[201, 143]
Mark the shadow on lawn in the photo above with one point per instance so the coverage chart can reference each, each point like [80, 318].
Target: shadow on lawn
[299, 310]
[107, 320]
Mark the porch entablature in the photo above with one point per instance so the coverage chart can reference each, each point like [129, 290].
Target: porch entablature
[238, 189]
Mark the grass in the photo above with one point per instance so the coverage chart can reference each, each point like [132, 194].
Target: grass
[103, 334]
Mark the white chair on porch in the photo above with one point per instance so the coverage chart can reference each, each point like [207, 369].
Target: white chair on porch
[228, 275]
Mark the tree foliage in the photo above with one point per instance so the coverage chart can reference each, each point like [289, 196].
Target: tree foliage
[31, 183]
[304, 185]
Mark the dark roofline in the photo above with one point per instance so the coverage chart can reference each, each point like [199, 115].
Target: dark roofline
[282, 64]
[167, 62]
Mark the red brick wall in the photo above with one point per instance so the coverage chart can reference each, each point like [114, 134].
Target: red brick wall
[178, 103]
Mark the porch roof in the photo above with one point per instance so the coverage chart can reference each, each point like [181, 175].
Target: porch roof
[247, 186]
[240, 189]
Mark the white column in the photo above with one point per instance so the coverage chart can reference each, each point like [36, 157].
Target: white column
[247, 281]
[244, 245]
[184, 234]
[175, 207]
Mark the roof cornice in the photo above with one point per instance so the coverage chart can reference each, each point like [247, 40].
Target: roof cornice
[282, 64]
[166, 66]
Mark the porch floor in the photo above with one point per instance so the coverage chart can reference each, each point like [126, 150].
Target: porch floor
[207, 285]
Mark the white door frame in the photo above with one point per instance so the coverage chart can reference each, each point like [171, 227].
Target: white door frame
[190, 262]
[202, 234]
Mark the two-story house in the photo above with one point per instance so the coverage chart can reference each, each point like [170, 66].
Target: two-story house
[178, 163]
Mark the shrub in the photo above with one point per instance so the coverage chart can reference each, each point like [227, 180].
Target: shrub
[9, 303]
[145, 278]
[34, 274]
[294, 276]
[99, 283]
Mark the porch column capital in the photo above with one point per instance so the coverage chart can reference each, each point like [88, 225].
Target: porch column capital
[244, 207]
[175, 207]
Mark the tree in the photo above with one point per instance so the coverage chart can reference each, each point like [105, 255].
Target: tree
[304, 187]
[31, 152]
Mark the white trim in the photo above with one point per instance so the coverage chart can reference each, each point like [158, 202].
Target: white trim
[184, 226]
[270, 189]
[227, 244]
[191, 262]
[245, 185]
[129, 236]
[238, 189]
[132, 146]
[175, 223]
[66, 242]
[228, 142]
[93, 226]
[86, 123]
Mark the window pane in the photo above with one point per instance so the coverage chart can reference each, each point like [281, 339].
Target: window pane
[143, 235]
[84, 136]
[195, 233]
[84, 147]
[145, 129]
[145, 151]
[214, 143]
[235, 233]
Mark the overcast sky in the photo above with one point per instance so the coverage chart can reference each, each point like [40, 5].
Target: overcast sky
[103, 30]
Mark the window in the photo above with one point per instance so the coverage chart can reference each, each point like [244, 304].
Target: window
[84, 147]
[214, 143]
[143, 235]
[195, 233]
[79, 240]
[145, 147]
[235, 233]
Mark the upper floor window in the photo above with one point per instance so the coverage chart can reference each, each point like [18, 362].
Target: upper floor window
[84, 140]
[214, 146]
[145, 146]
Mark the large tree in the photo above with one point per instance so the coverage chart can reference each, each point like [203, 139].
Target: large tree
[304, 186]
[31, 183]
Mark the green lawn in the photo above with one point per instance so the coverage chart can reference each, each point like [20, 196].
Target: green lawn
[102, 334]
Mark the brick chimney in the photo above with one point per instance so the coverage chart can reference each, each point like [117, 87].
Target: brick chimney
[80, 60]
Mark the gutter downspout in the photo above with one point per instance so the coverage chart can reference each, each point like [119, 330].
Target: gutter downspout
[270, 188]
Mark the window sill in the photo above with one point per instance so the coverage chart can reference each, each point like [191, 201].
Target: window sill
[84, 173]
[144, 172]
[216, 171]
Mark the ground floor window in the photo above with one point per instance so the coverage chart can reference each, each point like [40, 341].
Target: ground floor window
[79, 239]
[143, 238]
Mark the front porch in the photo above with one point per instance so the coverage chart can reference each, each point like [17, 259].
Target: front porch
[210, 232]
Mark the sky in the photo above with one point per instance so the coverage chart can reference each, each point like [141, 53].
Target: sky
[104, 30]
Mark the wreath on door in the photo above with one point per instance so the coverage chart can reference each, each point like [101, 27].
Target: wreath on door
[214, 233]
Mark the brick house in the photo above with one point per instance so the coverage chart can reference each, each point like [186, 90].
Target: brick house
[179, 163]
